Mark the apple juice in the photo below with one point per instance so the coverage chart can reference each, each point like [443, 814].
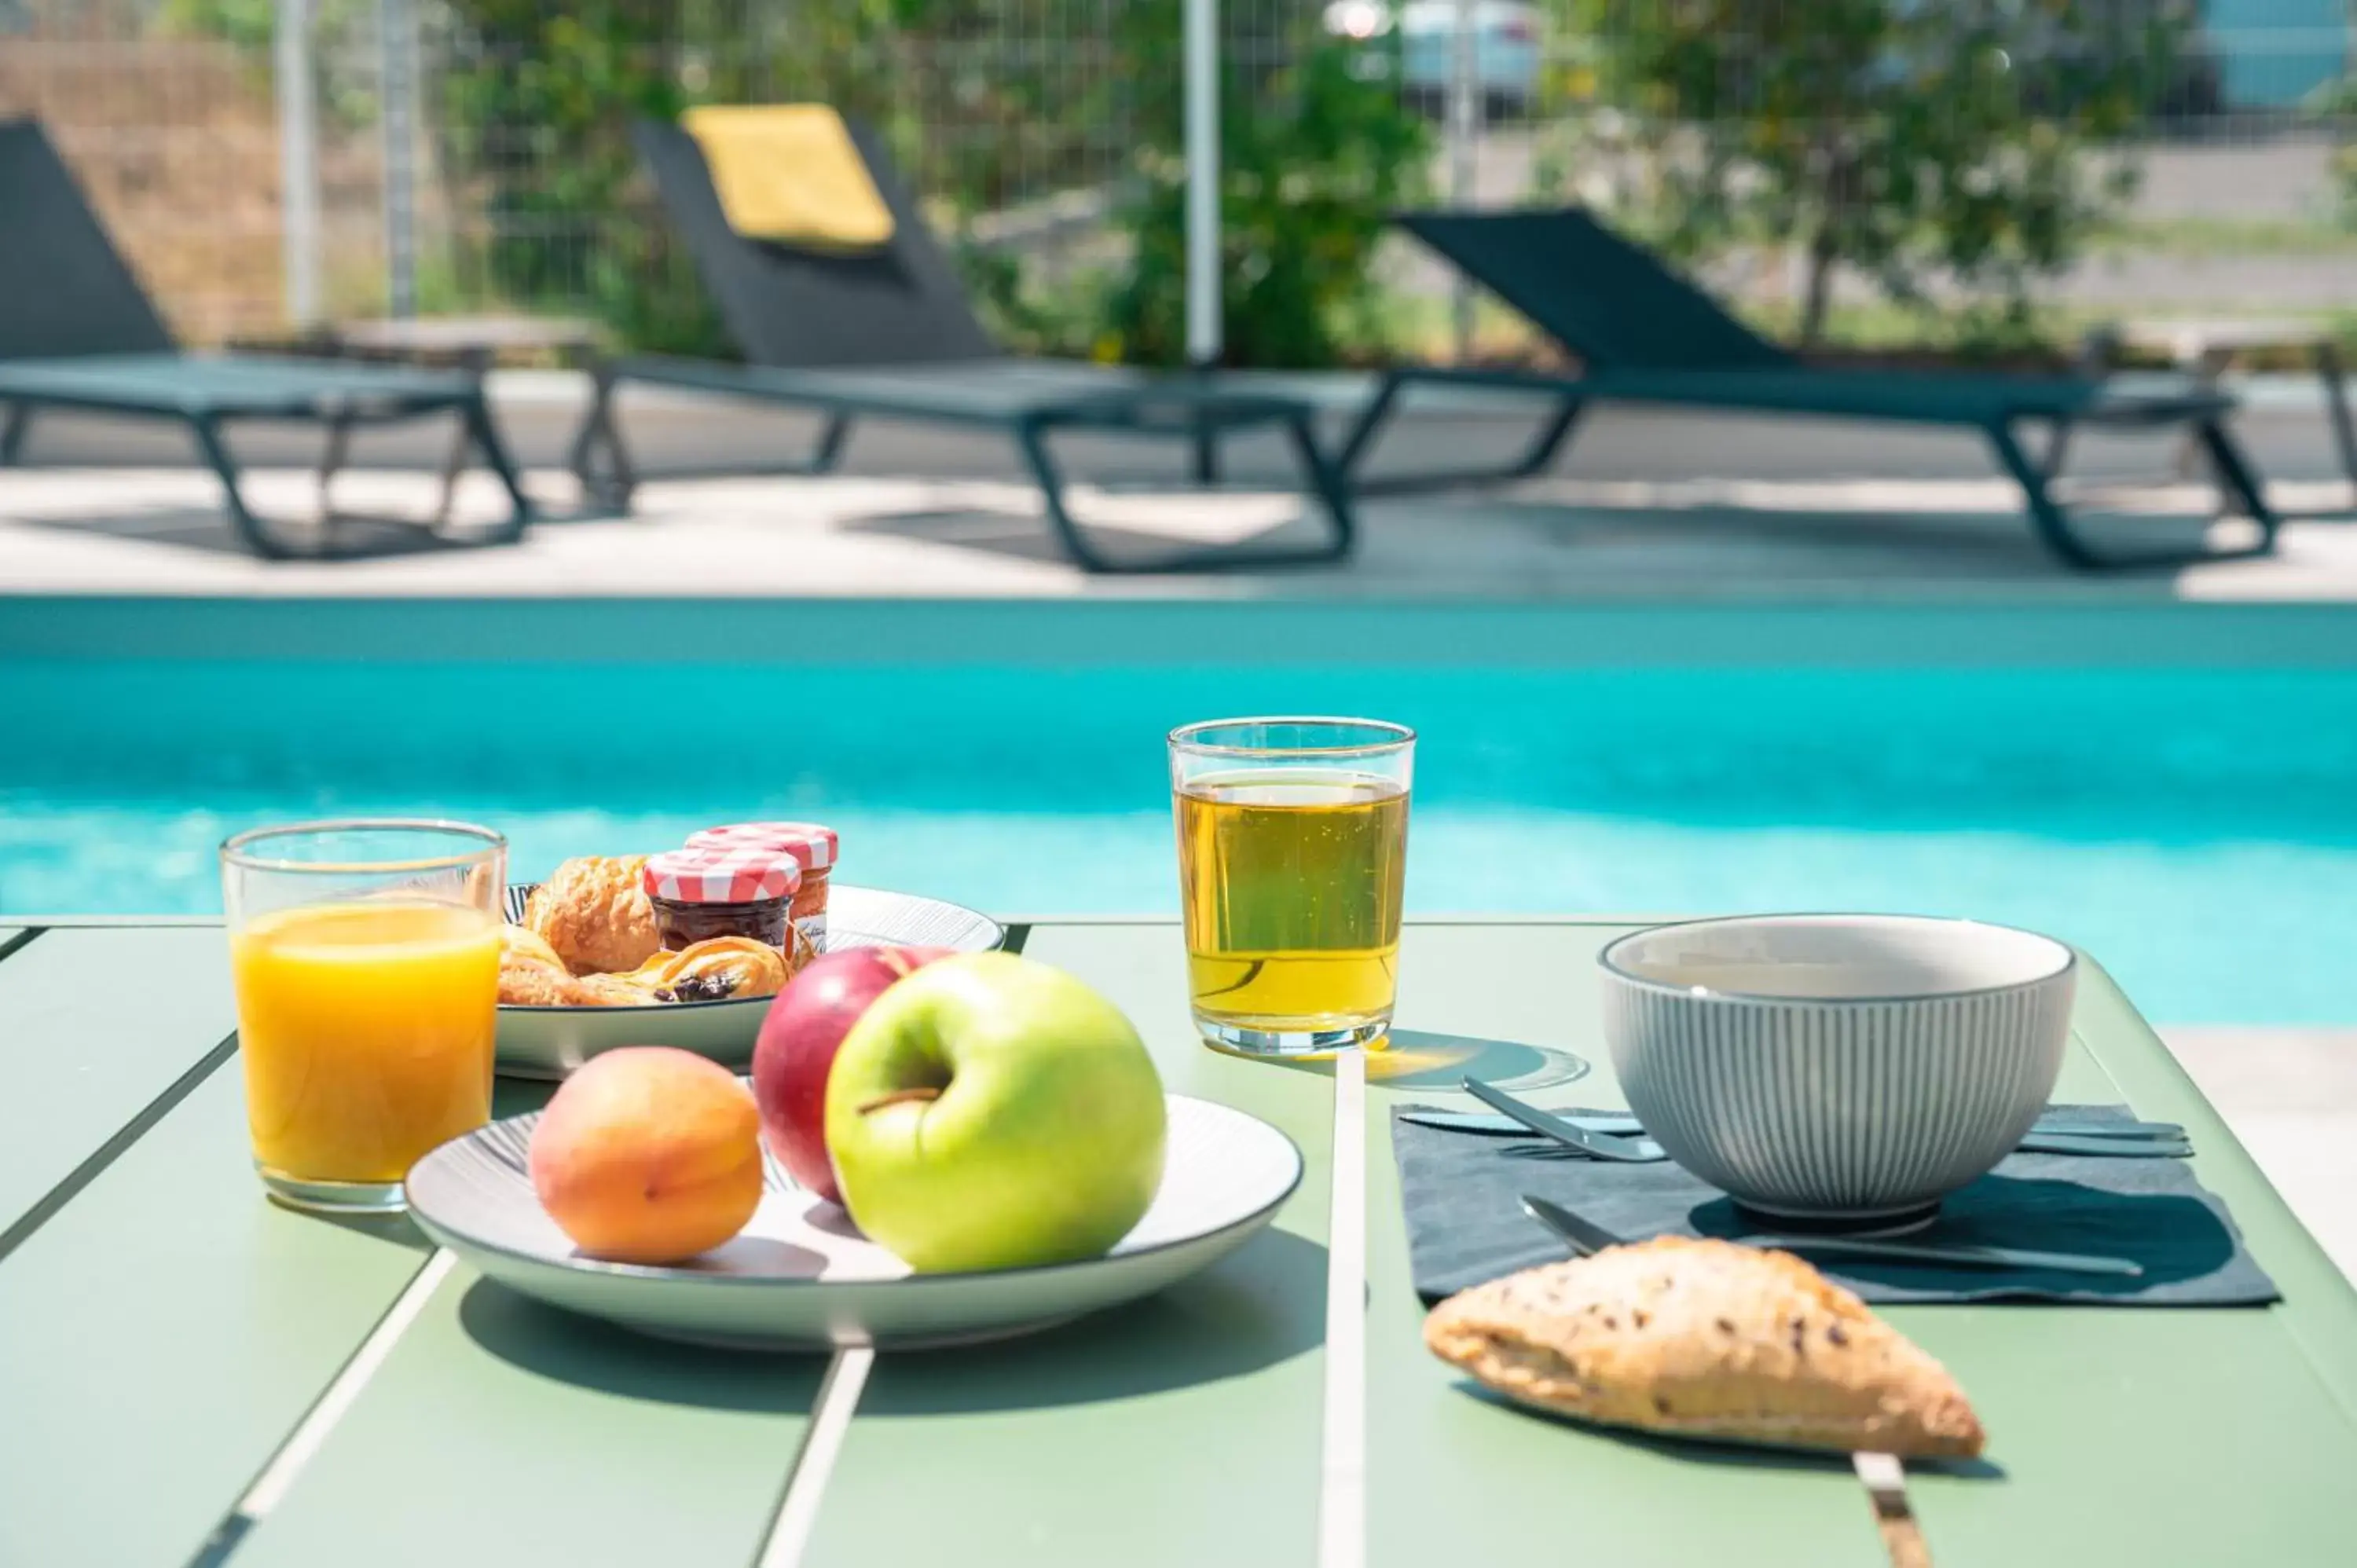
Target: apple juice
[1291, 882]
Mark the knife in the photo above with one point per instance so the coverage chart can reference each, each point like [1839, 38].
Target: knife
[1885, 1479]
[1603, 1146]
[1585, 1236]
[1582, 1236]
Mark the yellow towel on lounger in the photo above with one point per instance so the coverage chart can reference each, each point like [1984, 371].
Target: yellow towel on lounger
[791, 172]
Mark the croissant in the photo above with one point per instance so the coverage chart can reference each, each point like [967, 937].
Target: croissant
[594, 916]
[1705, 1339]
[524, 945]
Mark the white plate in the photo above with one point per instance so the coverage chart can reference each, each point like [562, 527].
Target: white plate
[549, 1042]
[801, 1277]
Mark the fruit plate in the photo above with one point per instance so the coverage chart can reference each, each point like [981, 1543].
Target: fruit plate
[801, 1277]
[549, 1042]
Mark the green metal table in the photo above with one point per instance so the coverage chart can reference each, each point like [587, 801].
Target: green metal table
[188, 1373]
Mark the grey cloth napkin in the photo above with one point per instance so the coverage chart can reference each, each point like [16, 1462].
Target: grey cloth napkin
[1465, 1224]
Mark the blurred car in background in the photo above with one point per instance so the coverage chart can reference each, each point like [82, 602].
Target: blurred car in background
[1505, 47]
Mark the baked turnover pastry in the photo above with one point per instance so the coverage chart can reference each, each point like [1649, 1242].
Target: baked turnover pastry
[1705, 1339]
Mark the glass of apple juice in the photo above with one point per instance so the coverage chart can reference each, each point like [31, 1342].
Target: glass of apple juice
[1292, 842]
[366, 959]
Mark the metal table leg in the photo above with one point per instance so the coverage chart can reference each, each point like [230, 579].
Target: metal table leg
[477, 364]
[2209, 367]
[2097, 350]
[2336, 408]
[331, 462]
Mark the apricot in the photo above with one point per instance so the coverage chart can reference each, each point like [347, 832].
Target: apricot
[649, 1156]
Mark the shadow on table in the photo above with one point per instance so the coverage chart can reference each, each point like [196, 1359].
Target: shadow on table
[517, 1096]
[397, 1228]
[2185, 1247]
[1263, 1305]
[1418, 1058]
[590, 1353]
[1706, 1451]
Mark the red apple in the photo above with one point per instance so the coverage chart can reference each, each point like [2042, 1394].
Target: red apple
[796, 1050]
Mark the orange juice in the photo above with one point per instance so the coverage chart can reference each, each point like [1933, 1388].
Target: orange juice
[366, 1029]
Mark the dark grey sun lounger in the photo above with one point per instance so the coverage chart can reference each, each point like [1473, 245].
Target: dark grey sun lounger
[78, 332]
[1643, 334]
[890, 335]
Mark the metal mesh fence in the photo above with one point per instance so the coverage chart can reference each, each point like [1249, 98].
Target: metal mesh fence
[1042, 134]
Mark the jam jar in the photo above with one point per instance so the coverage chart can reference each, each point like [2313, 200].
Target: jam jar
[815, 848]
[734, 890]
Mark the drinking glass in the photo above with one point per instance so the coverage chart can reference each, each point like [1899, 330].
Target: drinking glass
[1292, 840]
[366, 955]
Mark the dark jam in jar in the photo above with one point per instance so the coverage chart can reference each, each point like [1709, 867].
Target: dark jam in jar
[815, 848]
[721, 891]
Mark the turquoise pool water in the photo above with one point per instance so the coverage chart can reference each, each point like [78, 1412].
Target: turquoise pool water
[2195, 829]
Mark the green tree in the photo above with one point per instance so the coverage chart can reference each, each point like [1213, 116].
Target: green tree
[1911, 141]
[538, 99]
[1315, 152]
[2335, 104]
[989, 105]
[534, 117]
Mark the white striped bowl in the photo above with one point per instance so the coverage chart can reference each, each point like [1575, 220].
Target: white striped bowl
[1845, 1068]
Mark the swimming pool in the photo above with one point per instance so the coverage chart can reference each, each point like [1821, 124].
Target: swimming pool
[2194, 826]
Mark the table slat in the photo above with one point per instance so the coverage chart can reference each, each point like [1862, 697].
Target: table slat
[94, 1024]
[1183, 1430]
[161, 1336]
[521, 1433]
[2088, 1409]
[166, 1327]
[501, 1433]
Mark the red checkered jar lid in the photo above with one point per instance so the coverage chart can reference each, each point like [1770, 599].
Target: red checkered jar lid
[721, 874]
[813, 846]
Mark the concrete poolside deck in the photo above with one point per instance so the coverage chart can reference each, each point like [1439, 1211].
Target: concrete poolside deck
[2290, 1095]
[1651, 504]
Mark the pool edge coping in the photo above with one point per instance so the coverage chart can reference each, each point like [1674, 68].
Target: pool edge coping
[1138, 632]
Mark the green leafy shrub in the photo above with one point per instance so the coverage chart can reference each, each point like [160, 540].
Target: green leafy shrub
[1916, 145]
[1315, 154]
[2335, 103]
[989, 104]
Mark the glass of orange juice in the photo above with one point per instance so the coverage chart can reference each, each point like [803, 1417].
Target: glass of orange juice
[366, 955]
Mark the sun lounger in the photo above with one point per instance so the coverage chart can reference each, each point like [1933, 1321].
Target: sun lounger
[1643, 334]
[889, 334]
[78, 332]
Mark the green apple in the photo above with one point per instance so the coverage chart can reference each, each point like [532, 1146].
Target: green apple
[991, 1112]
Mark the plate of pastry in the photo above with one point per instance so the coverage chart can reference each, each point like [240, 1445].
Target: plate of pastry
[686, 948]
